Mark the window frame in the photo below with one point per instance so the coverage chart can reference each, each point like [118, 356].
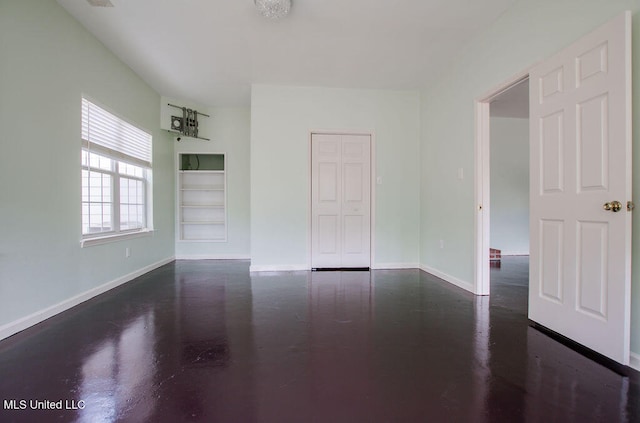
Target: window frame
[117, 173]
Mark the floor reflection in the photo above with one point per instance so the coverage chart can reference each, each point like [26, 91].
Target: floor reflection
[482, 359]
[203, 349]
[313, 338]
[507, 339]
[423, 350]
[208, 341]
[280, 322]
[570, 387]
[202, 321]
[118, 374]
[340, 363]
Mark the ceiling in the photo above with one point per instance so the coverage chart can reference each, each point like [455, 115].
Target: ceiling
[211, 51]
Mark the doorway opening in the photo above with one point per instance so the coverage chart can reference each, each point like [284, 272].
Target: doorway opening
[502, 191]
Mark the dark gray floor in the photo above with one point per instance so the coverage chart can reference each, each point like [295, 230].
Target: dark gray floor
[207, 341]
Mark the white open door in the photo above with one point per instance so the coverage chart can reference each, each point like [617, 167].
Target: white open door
[340, 200]
[580, 263]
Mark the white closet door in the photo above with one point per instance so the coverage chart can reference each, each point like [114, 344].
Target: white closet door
[326, 191]
[341, 200]
[356, 200]
[581, 174]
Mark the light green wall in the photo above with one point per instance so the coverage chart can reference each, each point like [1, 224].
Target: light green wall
[510, 185]
[228, 128]
[48, 60]
[528, 32]
[281, 121]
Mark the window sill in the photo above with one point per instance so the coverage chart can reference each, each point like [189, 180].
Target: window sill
[99, 240]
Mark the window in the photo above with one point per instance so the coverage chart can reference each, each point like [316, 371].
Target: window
[116, 175]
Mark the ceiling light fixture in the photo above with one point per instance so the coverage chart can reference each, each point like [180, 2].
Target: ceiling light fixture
[273, 9]
[100, 3]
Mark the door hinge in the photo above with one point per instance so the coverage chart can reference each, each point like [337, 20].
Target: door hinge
[630, 206]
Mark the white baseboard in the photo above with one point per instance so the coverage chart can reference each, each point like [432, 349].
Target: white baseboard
[25, 322]
[381, 266]
[634, 361]
[212, 257]
[448, 278]
[279, 268]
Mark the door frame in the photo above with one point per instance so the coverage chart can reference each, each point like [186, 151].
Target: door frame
[372, 187]
[482, 153]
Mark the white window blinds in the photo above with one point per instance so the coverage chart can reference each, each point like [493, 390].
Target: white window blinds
[107, 134]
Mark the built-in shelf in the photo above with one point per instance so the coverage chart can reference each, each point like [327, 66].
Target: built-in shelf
[202, 214]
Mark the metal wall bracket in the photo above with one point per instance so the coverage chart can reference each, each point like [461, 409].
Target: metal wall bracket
[187, 124]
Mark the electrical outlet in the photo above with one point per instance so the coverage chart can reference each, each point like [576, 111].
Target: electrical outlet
[127, 252]
[460, 173]
[442, 243]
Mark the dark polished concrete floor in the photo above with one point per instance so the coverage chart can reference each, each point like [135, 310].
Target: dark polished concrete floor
[206, 341]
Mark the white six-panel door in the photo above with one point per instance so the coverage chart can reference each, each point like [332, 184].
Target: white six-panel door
[580, 133]
[341, 200]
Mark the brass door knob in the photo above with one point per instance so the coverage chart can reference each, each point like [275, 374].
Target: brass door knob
[614, 206]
